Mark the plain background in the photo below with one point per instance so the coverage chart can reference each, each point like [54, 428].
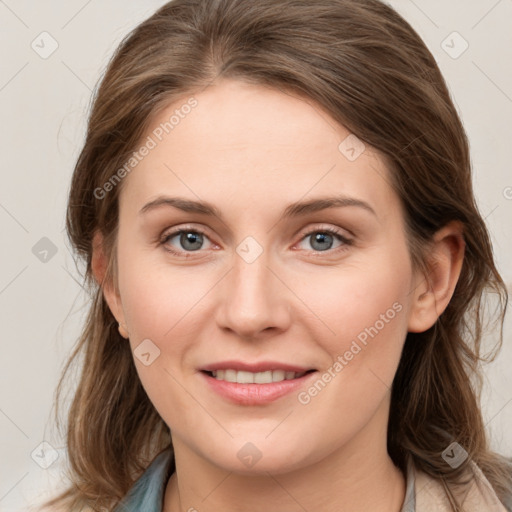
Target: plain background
[43, 105]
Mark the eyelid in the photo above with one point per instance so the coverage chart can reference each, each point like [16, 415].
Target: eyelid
[176, 230]
[328, 228]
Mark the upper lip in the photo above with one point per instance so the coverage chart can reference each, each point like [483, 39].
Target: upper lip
[262, 366]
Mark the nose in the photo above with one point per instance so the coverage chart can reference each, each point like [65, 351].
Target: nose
[254, 300]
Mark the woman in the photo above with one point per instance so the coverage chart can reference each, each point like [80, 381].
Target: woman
[228, 357]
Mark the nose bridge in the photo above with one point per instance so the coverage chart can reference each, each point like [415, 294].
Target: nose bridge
[253, 299]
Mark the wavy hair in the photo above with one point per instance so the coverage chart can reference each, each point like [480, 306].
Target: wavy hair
[366, 66]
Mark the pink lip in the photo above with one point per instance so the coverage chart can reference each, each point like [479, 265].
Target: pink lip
[262, 366]
[254, 394]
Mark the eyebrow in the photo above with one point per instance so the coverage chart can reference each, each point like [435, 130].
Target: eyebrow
[293, 210]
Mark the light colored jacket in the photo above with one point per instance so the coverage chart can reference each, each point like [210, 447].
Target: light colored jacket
[430, 495]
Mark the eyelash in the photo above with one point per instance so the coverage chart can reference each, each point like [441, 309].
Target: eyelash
[168, 236]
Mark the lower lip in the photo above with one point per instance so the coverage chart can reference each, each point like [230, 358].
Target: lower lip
[255, 394]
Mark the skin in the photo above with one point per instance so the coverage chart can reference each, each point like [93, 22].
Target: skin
[251, 151]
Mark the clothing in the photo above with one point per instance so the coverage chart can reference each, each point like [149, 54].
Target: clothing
[423, 493]
[147, 493]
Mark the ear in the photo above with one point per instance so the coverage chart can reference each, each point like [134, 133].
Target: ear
[99, 265]
[433, 291]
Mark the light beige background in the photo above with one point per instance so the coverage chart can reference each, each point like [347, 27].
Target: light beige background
[43, 107]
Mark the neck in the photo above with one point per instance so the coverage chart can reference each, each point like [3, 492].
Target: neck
[357, 476]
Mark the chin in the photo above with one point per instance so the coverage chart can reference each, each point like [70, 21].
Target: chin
[248, 459]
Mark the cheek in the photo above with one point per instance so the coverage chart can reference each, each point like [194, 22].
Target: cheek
[157, 297]
[159, 303]
[364, 324]
[360, 300]
[363, 312]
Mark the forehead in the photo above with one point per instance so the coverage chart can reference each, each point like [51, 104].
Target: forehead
[255, 145]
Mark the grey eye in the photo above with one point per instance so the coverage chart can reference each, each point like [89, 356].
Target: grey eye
[321, 241]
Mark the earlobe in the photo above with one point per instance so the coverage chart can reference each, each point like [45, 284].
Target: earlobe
[99, 265]
[434, 291]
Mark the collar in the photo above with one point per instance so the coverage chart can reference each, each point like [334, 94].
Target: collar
[147, 493]
[475, 494]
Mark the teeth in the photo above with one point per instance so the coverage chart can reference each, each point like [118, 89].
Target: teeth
[263, 377]
[243, 377]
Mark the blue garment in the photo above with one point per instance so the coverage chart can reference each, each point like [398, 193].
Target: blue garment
[147, 493]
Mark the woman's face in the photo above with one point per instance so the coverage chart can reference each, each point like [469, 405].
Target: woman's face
[261, 282]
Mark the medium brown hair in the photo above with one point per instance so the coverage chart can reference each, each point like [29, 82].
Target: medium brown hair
[365, 66]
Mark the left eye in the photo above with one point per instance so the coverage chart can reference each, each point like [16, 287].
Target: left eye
[323, 239]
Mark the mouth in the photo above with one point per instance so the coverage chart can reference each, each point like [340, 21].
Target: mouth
[243, 387]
